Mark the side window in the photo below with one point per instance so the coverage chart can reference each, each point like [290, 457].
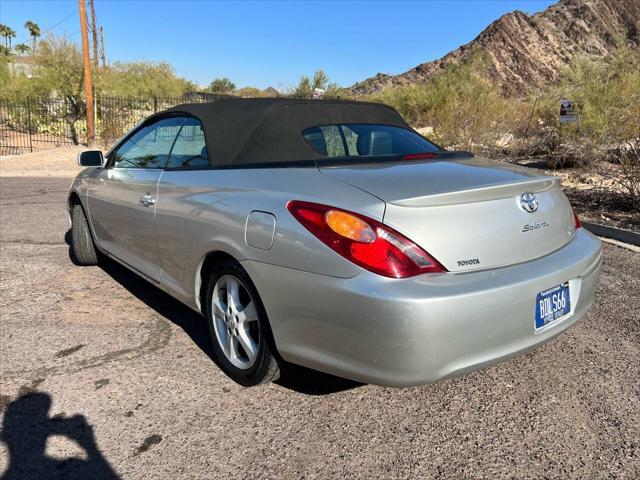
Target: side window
[351, 138]
[326, 140]
[190, 148]
[149, 147]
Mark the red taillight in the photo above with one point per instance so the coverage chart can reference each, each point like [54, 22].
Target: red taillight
[364, 241]
[576, 219]
[420, 156]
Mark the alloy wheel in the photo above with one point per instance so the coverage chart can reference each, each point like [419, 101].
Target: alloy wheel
[235, 321]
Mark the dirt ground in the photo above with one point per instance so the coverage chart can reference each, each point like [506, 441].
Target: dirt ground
[104, 376]
[56, 162]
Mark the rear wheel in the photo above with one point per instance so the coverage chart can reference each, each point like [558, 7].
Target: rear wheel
[238, 326]
[82, 244]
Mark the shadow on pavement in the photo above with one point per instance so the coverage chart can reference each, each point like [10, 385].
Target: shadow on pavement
[311, 382]
[298, 379]
[26, 428]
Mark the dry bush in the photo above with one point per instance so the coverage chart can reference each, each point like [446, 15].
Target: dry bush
[608, 93]
[464, 110]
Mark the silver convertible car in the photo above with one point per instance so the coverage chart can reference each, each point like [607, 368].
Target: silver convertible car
[331, 235]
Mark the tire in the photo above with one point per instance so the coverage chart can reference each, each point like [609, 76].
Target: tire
[82, 245]
[237, 329]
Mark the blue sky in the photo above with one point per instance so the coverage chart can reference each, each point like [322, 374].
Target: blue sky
[273, 43]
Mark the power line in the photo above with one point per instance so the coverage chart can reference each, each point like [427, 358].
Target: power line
[60, 22]
[56, 25]
[71, 34]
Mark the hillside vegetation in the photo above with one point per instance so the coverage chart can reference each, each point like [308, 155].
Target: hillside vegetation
[461, 109]
[55, 69]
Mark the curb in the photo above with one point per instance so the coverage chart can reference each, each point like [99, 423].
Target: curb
[625, 236]
[626, 246]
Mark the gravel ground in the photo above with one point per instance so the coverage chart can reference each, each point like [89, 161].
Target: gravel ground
[104, 376]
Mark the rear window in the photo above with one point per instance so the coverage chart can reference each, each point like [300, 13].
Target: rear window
[365, 140]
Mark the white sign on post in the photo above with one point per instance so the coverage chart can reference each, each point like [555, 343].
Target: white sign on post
[318, 93]
[568, 113]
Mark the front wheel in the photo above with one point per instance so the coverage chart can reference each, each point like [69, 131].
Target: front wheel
[82, 244]
[238, 326]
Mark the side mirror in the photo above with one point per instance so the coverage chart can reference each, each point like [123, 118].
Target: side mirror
[90, 158]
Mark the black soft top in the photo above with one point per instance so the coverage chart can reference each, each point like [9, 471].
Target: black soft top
[252, 131]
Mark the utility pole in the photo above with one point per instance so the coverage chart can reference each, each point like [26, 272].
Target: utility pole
[104, 62]
[82, 12]
[94, 32]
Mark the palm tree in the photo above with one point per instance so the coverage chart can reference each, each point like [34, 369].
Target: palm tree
[4, 31]
[10, 34]
[34, 32]
[22, 48]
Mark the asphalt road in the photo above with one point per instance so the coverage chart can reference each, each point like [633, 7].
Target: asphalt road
[104, 376]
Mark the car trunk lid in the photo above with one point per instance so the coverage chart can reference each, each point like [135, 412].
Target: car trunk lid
[467, 213]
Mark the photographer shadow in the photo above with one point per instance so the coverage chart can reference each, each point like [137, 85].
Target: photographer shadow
[26, 428]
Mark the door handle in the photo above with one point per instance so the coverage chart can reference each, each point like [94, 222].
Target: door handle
[147, 200]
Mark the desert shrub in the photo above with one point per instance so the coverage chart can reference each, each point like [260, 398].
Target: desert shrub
[56, 70]
[608, 95]
[4, 69]
[249, 92]
[221, 85]
[463, 109]
[141, 79]
[306, 86]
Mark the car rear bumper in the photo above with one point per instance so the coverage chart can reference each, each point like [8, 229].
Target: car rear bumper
[418, 330]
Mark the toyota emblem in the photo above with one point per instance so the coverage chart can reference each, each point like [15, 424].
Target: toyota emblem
[529, 202]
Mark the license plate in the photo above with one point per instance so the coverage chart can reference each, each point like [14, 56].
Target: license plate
[552, 304]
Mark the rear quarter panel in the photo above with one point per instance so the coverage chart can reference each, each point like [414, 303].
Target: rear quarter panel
[204, 211]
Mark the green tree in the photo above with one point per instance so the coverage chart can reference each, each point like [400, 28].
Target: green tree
[22, 48]
[320, 79]
[4, 69]
[58, 68]
[4, 32]
[307, 85]
[221, 85]
[10, 35]
[34, 33]
[141, 79]
[7, 33]
[304, 88]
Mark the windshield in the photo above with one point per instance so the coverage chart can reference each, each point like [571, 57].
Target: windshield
[365, 140]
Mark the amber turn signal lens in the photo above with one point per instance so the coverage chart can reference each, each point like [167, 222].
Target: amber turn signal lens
[350, 226]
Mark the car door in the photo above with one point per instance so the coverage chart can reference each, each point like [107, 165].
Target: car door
[122, 197]
[182, 216]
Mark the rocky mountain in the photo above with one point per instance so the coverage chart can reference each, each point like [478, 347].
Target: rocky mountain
[525, 52]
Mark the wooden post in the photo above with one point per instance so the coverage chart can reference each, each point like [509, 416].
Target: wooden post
[82, 12]
[94, 33]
